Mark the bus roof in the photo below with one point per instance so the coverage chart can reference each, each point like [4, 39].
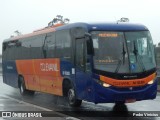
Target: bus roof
[106, 26]
[88, 26]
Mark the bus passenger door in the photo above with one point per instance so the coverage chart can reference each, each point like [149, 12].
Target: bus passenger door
[81, 76]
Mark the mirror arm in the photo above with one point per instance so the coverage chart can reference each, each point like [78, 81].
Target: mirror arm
[87, 34]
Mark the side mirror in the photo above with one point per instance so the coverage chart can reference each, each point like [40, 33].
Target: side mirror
[90, 49]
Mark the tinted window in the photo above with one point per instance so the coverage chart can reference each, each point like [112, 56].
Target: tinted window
[63, 44]
[4, 51]
[9, 50]
[50, 44]
[36, 46]
[26, 48]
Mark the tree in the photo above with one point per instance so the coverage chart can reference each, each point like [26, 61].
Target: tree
[58, 19]
[123, 19]
[17, 33]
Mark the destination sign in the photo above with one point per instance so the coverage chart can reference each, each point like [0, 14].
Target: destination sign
[108, 35]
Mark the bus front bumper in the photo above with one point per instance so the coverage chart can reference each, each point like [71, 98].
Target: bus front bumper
[114, 95]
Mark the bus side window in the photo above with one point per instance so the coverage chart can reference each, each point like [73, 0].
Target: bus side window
[63, 45]
[5, 51]
[11, 49]
[4, 46]
[50, 45]
[25, 49]
[36, 46]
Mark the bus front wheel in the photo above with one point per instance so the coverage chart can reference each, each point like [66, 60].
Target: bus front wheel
[72, 98]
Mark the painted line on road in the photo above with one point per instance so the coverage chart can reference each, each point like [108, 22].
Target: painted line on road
[39, 107]
[29, 104]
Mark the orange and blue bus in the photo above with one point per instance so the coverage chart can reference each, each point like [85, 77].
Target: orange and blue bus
[95, 62]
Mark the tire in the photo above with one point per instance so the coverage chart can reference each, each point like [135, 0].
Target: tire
[73, 102]
[120, 106]
[23, 90]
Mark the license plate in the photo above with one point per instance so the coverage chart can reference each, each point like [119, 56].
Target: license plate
[130, 100]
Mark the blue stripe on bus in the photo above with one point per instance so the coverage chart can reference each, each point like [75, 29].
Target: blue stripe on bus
[10, 74]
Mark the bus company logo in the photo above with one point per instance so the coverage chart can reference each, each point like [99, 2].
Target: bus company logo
[48, 67]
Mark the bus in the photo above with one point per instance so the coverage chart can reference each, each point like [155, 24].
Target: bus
[95, 62]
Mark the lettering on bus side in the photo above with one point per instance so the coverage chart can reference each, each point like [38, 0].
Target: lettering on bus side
[48, 67]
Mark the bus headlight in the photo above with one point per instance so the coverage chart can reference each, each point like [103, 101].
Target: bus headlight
[106, 85]
[102, 83]
[151, 82]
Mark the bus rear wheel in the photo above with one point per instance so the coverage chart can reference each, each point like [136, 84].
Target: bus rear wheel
[23, 90]
[72, 98]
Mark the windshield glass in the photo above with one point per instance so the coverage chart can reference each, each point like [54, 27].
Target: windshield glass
[140, 50]
[123, 52]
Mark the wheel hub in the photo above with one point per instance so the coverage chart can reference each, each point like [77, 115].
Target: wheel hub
[71, 96]
[22, 89]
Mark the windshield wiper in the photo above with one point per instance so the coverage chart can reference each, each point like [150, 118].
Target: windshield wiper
[135, 51]
[120, 60]
[138, 58]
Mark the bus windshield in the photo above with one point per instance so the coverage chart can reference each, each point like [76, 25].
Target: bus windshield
[123, 52]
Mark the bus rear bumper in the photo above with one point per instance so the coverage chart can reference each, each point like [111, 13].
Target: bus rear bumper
[114, 95]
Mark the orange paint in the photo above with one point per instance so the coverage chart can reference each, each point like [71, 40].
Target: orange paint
[127, 83]
[41, 75]
[38, 32]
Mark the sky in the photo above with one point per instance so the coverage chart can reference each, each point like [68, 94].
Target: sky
[29, 15]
